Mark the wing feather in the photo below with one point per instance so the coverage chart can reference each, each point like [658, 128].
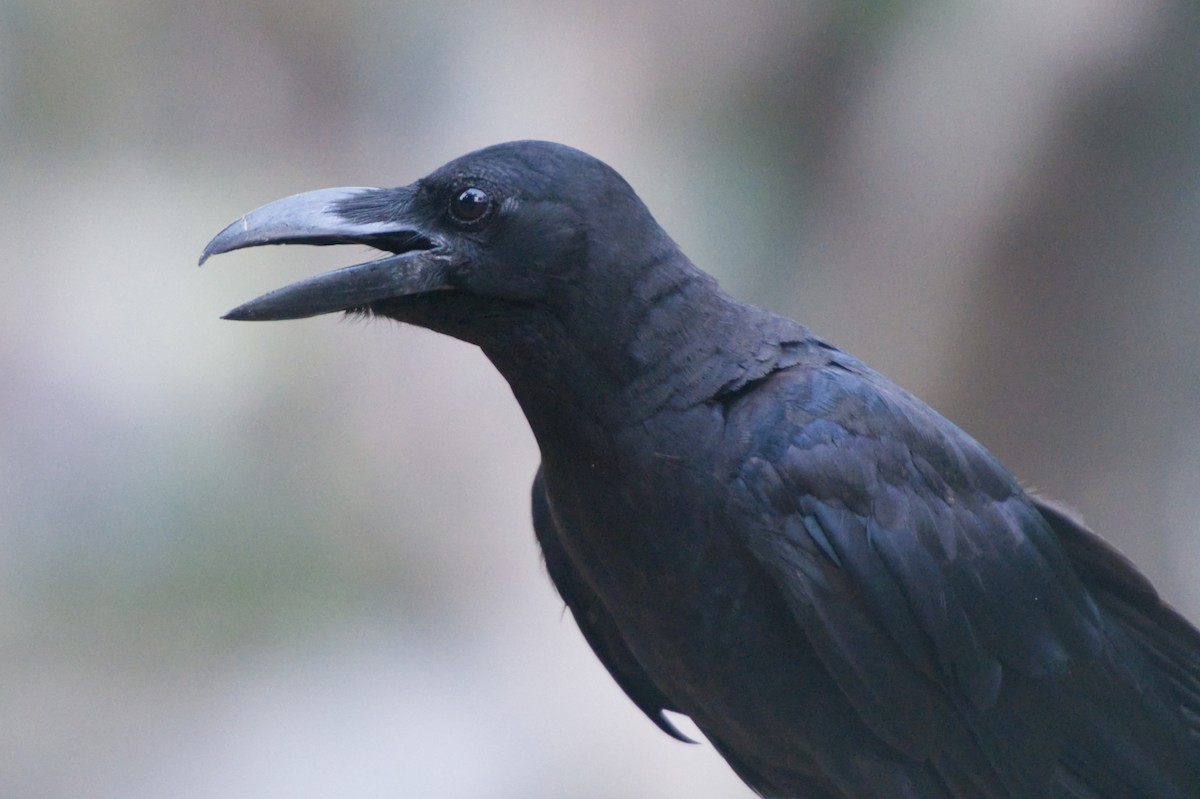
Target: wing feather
[594, 622]
[957, 617]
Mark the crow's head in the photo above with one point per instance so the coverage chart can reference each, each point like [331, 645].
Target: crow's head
[511, 232]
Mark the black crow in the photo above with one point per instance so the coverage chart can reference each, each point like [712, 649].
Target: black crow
[848, 595]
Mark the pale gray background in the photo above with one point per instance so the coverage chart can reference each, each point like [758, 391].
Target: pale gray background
[294, 559]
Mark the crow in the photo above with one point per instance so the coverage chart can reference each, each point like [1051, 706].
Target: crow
[848, 595]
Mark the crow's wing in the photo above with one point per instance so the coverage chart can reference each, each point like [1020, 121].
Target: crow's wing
[940, 598]
[594, 621]
[1130, 601]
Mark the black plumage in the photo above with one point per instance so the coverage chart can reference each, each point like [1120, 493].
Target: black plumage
[846, 593]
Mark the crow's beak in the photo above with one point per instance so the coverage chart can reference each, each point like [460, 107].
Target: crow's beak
[380, 218]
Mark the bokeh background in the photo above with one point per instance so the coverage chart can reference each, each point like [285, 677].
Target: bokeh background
[294, 559]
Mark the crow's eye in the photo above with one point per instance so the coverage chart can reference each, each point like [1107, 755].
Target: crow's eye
[470, 205]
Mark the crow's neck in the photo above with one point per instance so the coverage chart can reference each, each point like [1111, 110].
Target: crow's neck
[669, 340]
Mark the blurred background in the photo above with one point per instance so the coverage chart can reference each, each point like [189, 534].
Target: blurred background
[295, 559]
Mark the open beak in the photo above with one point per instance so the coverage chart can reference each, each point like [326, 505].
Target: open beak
[380, 218]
